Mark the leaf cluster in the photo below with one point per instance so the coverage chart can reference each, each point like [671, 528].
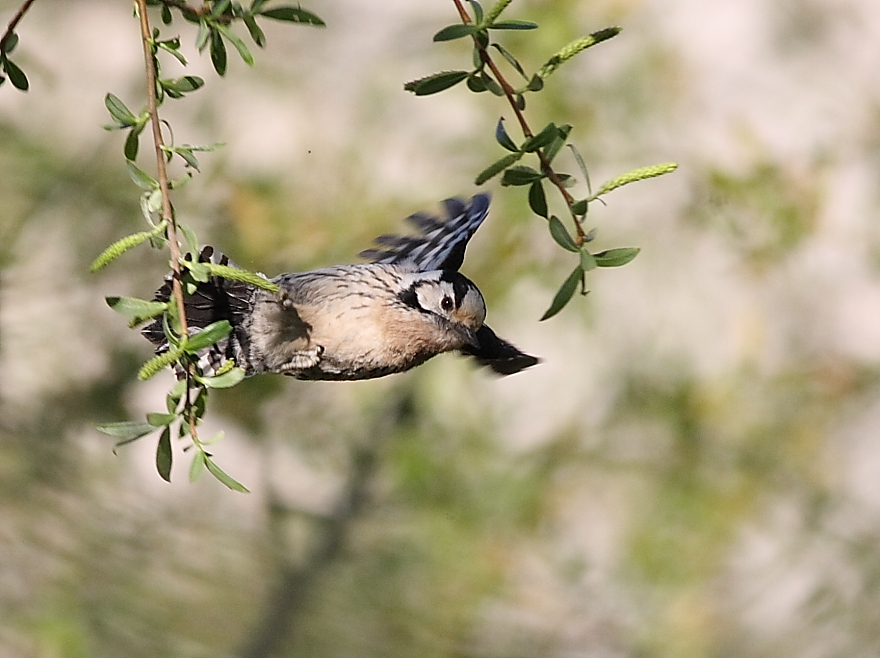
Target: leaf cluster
[543, 145]
[9, 69]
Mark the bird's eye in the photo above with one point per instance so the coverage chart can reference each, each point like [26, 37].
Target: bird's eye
[446, 303]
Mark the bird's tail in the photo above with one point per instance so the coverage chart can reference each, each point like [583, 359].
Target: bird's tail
[214, 300]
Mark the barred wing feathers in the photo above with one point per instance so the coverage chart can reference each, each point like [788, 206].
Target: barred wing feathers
[442, 242]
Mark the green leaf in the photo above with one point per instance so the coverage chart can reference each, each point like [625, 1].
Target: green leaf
[163, 455]
[198, 466]
[254, 30]
[293, 15]
[185, 84]
[556, 145]
[208, 336]
[513, 25]
[510, 59]
[503, 138]
[579, 207]
[161, 420]
[220, 6]
[204, 35]
[127, 430]
[478, 11]
[120, 113]
[226, 380]
[218, 473]
[565, 293]
[520, 175]
[435, 83]
[561, 236]
[218, 52]
[135, 308]
[130, 150]
[616, 257]
[141, 178]
[496, 168]
[588, 261]
[582, 166]
[536, 83]
[243, 51]
[476, 84]
[456, 31]
[16, 76]
[11, 43]
[542, 139]
[238, 274]
[538, 199]
[166, 15]
[635, 175]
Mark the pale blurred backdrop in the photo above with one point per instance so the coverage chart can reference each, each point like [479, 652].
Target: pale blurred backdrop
[693, 470]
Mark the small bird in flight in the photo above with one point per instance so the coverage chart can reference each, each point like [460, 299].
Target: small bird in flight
[348, 322]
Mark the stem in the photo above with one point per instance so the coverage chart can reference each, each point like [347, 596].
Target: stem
[510, 94]
[158, 143]
[10, 29]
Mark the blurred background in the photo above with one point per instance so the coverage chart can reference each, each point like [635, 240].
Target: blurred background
[693, 470]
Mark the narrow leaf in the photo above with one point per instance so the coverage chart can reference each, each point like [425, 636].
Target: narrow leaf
[120, 113]
[218, 52]
[226, 380]
[293, 15]
[16, 76]
[478, 11]
[588, 261]
[582, 166]
[130, 150]
[208, 336]
[435, 83]
[496, 168]
[616, 257]
[565, 293]
[163, 455]
[521, 175]
[503, 138]
[10, 43]
[510, 59]
[579, 208]
[538, 199]
[132, 307]
[160, 420]
[198, 466]
[243, 51]
[456, 31]
[556, 145]
[542, 139]
[218, 473]
[513, 25]
[254, 30]
[127, 430]
[561, 236]
[141, 178]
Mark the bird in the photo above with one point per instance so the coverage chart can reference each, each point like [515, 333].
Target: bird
[406, 305]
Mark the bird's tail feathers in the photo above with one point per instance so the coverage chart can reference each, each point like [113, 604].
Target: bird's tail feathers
[211, 301]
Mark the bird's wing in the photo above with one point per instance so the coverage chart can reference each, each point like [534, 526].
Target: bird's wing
[442, 242]
[499, 355]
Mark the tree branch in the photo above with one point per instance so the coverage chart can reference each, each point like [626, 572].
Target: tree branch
[10, 29]
[510, 94]
[162, 173]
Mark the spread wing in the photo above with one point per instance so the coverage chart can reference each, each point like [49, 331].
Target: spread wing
[442, 242]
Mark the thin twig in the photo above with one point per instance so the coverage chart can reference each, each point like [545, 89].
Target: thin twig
[165, 188]
[510, 94]
[10, 29]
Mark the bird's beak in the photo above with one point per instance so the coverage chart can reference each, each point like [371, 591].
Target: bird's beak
[470, 337]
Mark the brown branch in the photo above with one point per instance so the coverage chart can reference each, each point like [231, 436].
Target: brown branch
[510, 94]
[10, 29]
[162, 173]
